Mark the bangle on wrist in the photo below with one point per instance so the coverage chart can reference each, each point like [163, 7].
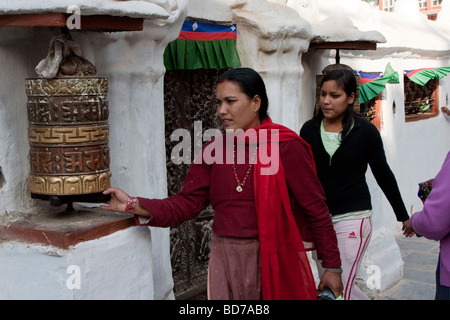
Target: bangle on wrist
[335, 270]
[131, 204]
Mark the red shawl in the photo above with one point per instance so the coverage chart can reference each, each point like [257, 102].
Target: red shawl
[285, 270]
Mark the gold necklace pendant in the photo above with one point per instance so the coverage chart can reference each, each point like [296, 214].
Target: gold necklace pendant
[240, 185]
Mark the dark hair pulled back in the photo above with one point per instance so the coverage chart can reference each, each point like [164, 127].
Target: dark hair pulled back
[345, 80]
[250, 83]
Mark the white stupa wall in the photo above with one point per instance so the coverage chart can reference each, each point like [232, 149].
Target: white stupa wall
[415, 150]
[273, 38]
[133, 64]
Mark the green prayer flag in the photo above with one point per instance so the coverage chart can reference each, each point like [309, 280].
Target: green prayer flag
[185, 54]
[422, 76]
[369, 90]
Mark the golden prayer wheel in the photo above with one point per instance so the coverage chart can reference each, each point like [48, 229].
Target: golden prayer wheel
[68, 134]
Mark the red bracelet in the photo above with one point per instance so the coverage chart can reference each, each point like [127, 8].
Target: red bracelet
[131, 204]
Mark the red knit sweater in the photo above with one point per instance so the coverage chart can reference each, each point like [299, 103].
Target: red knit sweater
[235, 214]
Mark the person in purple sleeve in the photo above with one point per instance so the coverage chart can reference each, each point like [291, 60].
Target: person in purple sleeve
[433, 222]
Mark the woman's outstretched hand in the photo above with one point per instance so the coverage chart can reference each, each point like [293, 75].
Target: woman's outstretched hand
[118, 200]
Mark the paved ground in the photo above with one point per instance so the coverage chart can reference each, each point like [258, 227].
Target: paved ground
[420, 256]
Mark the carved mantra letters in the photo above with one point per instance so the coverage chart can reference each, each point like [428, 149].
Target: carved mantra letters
[44, 110]
[82, 159]
[79, 86]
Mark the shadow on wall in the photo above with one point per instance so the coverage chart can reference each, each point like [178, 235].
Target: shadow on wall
[446, 113]
[2, 179]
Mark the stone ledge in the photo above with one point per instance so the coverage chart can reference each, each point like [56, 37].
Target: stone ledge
[65, 229]
[91, 23]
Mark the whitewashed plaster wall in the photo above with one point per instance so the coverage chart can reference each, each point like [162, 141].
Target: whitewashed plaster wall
[133, 63]
[15, 46]
[272, 42]
[118, 266]
[271, 38]
[415, 150]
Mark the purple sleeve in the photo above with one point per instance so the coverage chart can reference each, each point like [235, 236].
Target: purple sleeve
[433, 222]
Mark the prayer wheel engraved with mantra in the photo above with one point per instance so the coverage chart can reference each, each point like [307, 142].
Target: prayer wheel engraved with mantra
[68, 134]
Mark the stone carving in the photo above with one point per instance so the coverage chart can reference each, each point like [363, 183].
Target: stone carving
[188, 97]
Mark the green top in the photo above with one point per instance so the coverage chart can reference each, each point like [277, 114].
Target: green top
[331, 140]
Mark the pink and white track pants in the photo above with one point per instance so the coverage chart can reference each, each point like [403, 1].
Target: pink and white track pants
[353, 237]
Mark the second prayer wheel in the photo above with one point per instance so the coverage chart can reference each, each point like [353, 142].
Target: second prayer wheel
[68, 134]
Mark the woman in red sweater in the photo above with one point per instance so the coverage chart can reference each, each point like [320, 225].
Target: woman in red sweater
[260, 179]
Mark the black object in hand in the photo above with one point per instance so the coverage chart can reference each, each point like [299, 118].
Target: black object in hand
[326, 294]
